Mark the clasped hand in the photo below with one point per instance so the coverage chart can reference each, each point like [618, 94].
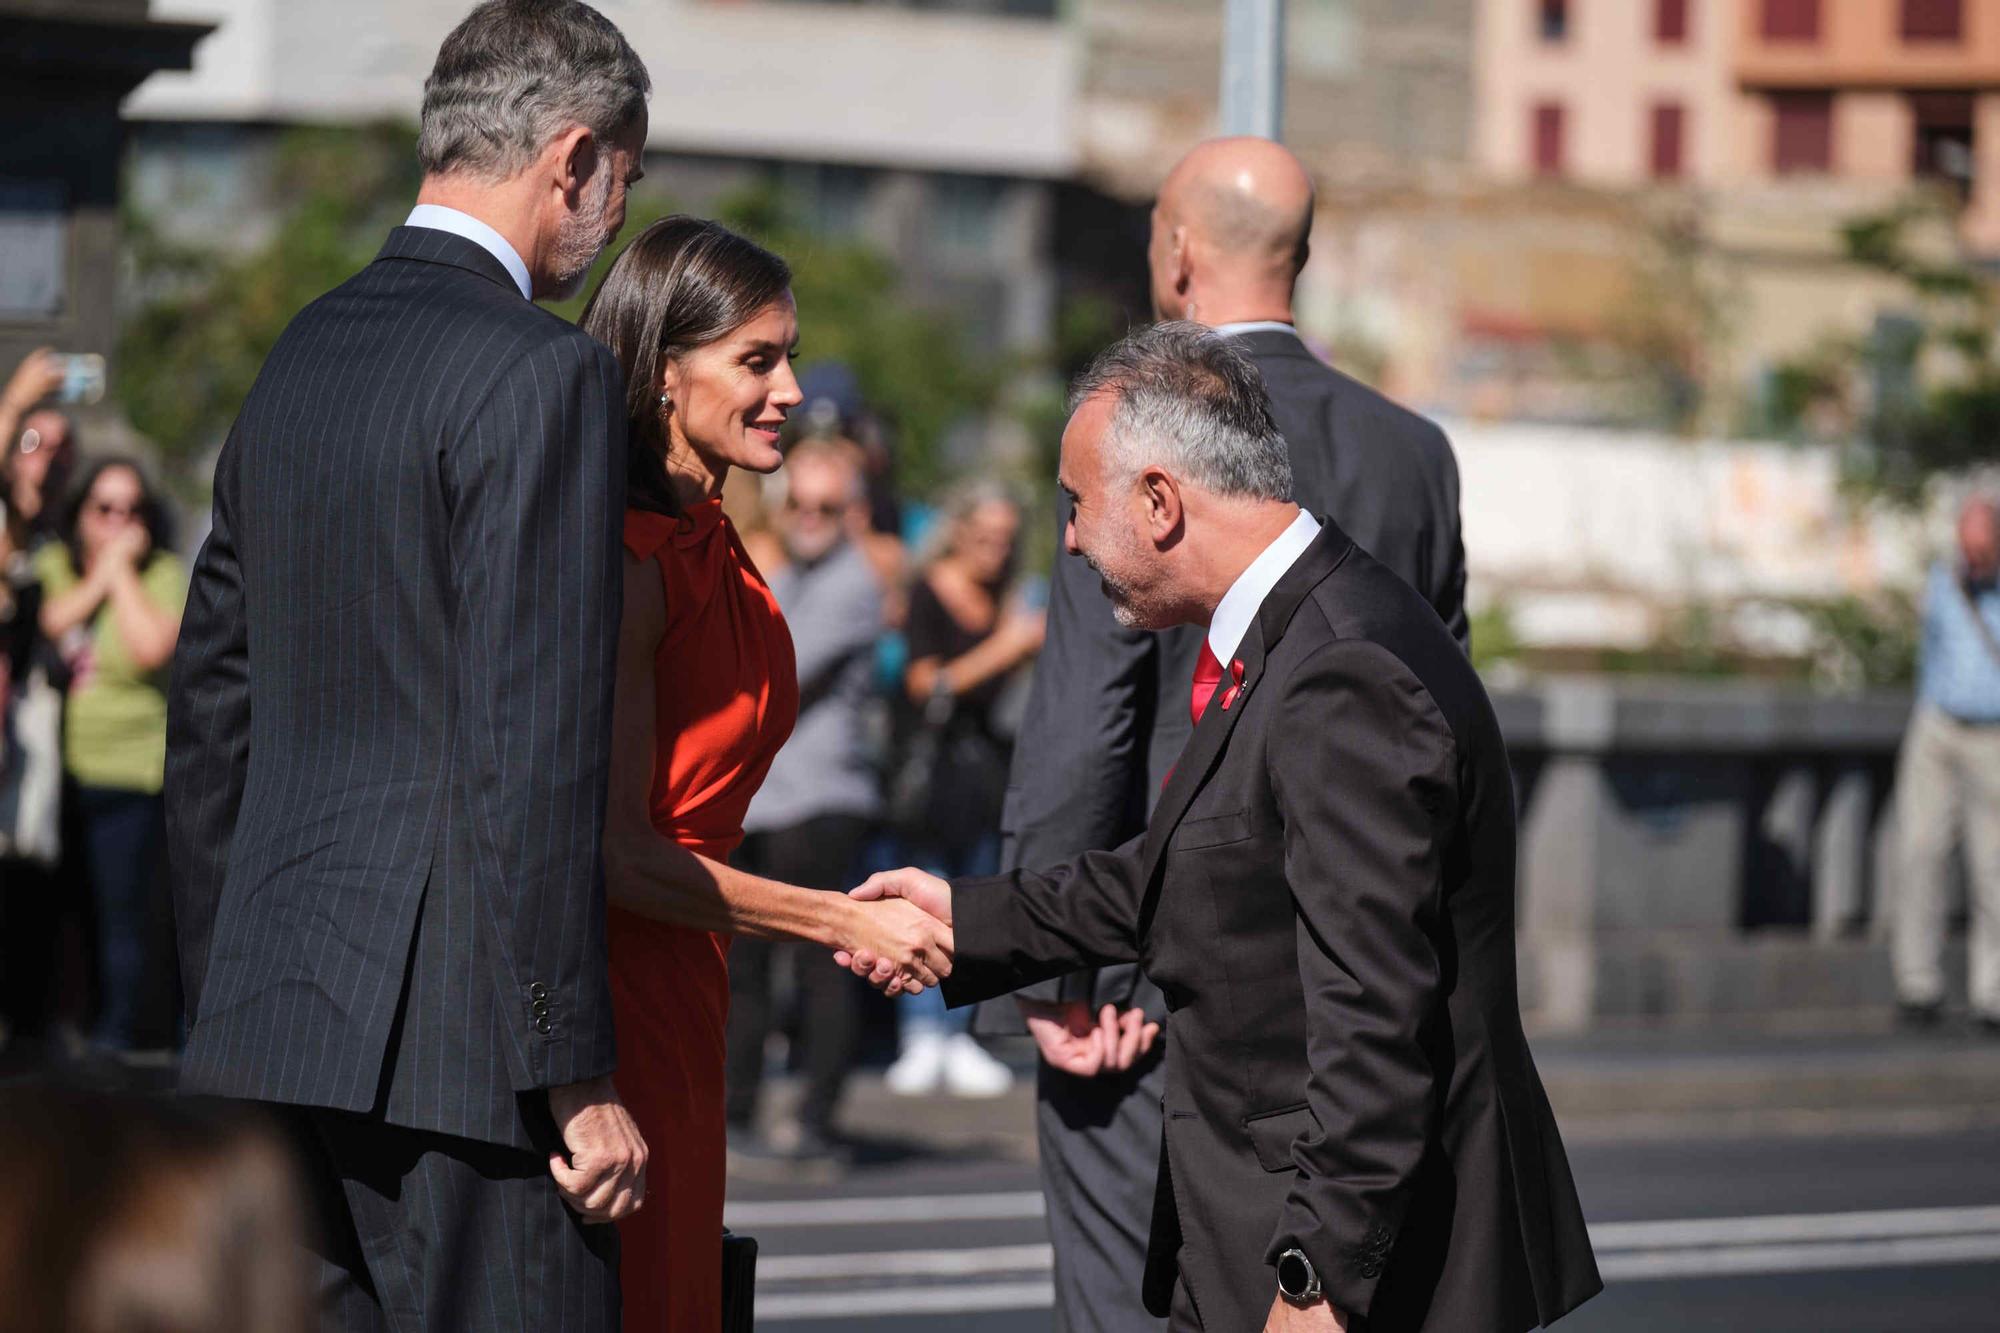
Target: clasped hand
[903, 940]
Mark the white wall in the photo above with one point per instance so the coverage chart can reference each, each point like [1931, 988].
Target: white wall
[1590, 537]
[818, 83]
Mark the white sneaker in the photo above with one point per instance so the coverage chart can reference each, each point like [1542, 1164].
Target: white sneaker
[919, 1068]
[970, 1072]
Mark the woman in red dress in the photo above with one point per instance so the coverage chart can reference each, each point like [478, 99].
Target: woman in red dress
[703, 323]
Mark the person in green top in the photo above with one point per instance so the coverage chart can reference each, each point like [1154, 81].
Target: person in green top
[112, 595]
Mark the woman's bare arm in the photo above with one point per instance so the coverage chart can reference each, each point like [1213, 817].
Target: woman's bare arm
[650, 875]
[149, 630]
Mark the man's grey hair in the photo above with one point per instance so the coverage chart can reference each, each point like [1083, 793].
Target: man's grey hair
[517, 73]
[1186, 400]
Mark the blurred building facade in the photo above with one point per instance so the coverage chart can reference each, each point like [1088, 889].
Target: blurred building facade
[1726, 93]
[938, 131]
[65, 65]
[1754, 130]
[1612, 216]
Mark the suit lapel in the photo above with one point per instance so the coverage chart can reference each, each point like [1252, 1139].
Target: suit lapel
[1211, 736]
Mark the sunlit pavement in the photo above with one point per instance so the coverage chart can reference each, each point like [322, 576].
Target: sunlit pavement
[1770, 1185]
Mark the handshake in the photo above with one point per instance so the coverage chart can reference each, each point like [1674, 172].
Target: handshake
[899, 940]
[895, 931]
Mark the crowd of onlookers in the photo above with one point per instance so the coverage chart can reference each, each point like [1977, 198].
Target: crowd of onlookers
[91, 591]
[910, 625]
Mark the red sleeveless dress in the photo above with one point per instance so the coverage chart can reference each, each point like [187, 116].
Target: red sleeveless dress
[725, 698]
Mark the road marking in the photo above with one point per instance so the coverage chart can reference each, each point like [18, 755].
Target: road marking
[749, 1217]
[1714, 1231]
[1627, 1252]
[1641, 1265]
[874, 1305]
[907, 1263]
[1697, 1231]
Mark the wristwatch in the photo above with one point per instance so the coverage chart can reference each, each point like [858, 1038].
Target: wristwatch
[1298, 1282]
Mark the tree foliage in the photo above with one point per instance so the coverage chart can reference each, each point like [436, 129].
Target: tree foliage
[1921, 390]
[209, 315]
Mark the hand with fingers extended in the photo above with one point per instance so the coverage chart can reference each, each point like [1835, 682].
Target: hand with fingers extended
[906, 889]
[602, 1175]
[1072, 1040]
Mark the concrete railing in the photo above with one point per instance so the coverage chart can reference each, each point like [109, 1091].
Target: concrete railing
[1694, 851]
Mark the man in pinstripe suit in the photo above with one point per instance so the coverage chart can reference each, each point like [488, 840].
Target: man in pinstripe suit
[389, 726]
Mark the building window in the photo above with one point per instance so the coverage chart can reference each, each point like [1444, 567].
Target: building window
[1933, 20]
[1670, 22]
[1791, 20]
[1552, 20]
[1942, 144]
[1669, 140]
[1802, 133]
[1548, 139]
[34, 249]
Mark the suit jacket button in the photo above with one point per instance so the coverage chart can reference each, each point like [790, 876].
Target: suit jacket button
[541, 1009]
[542, 1025]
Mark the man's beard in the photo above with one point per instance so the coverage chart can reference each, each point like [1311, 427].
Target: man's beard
[581, 237]
[1127, 605]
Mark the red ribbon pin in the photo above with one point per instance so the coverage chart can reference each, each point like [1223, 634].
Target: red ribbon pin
[1235, 684]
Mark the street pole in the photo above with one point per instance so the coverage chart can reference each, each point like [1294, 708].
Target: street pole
[1253, 68]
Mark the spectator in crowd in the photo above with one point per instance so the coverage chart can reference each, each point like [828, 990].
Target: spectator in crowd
[112, 597]
[30, 801]
[37, 447]
[123, 1214]
[806, 825]
[1948, 780]
[967, 635]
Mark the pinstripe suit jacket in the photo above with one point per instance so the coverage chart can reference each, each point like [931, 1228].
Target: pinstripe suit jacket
[388, 734]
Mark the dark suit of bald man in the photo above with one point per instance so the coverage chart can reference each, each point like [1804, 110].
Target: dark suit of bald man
[1107, 716]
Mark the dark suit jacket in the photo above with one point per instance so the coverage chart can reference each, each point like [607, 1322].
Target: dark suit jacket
[389, 724]
[1108, 711]
[1326, 897]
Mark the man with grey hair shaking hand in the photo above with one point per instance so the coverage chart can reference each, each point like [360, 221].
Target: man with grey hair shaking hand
[1355, 1134]
[389, 724]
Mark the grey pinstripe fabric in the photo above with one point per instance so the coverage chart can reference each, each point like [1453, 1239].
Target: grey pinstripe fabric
[500, 1253]
[388, 734]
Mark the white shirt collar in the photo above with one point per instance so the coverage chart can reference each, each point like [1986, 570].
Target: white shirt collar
[439, 218]
[1239, 605]
[1256, 326]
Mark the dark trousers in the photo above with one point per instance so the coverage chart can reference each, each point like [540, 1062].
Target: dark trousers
[818, 854]
[138, 988]
[30, 918]
[427, 1233]
[1100, 1156]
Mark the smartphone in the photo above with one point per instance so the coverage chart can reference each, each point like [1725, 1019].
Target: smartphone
[83, 377]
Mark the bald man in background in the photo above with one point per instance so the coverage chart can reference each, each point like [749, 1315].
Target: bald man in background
[1109, 710]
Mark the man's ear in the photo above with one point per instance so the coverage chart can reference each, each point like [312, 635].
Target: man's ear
[1163, 504]
[1183, 258]
[574, 155]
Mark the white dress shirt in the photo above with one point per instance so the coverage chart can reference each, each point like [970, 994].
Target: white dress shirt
[439, 218]
[1239, 605]
[1255, 326]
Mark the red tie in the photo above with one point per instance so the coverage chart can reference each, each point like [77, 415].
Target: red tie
[1207, 675]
